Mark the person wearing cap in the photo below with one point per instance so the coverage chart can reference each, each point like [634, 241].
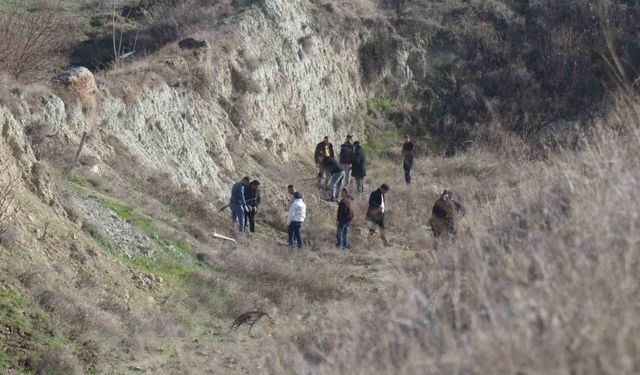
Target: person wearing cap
[324, 149]
[346, 159]
[376, 211]
[408, 157]
[295, 218]
[359, 168]
[238, 204]
[252, 197]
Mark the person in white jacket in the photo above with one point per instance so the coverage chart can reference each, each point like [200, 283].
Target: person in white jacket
[295, 218]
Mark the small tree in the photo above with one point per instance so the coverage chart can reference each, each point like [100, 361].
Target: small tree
[30, 40]
[8, 185]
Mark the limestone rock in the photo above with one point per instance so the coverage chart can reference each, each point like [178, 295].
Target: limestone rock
[78, 80]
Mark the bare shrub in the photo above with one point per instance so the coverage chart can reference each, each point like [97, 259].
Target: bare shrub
[30, 41]
[56, 362]
[8, 186]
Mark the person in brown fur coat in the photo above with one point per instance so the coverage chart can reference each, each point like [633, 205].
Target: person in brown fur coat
[446, 211]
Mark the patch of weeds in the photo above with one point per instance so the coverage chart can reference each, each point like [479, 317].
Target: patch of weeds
[381, 104]
[382, 142]
[127, 214]
[368, 120]
[79, 183]
[32, 325]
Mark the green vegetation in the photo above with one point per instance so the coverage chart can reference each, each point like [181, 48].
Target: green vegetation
[20, 314]
[381, 104]
[382, 142]
[78, 182]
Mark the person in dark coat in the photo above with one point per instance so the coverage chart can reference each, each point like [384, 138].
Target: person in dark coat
[408, 157]
[252, 197]
[345, 216]
[359, 168]
[323, 150]
[376, 211]
[346, 159]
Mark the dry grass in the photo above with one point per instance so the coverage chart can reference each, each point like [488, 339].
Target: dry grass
[542, 280]
[288, 280]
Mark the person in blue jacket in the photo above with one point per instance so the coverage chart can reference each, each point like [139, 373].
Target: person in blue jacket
[238, 204]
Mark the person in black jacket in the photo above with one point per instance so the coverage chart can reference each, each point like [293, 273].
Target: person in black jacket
[330, 167]
[252, 197]
[346, 159]
[376, 211]
[345, 216]
[408, 157]
[359, 168]
[324, 149]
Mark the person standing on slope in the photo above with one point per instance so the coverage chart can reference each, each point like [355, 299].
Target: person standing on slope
[252, 197]
[330, 167]
[295, 218]
[238, 204]
[324, 149]
[358, 168]
[345, 216]
[408, 157]
[346, 159]
[376, 211]
[291, 190]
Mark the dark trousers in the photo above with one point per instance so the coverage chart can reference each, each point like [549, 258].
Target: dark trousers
[342, 233]
[251, 218]
[295, 233]
[407, 174]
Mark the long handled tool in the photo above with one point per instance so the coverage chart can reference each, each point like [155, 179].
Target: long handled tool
[216, 235]
[227, 206]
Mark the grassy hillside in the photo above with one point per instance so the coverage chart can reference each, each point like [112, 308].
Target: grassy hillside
[111, 266]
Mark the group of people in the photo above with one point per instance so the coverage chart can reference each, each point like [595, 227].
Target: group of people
[345, 214]
[337, 173]
[334, 175]
[244, 202]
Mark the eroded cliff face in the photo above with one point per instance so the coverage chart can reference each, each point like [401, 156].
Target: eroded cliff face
[299, 79]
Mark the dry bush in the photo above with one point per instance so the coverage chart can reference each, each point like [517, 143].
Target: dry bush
[542, 279]
[278, 279]
[8, 188]
[56, 362]
[30, 40]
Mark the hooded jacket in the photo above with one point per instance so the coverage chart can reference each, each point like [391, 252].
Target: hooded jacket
[297, 211]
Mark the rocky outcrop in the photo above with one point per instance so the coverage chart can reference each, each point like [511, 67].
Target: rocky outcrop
[78, 80]
[296, 84]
